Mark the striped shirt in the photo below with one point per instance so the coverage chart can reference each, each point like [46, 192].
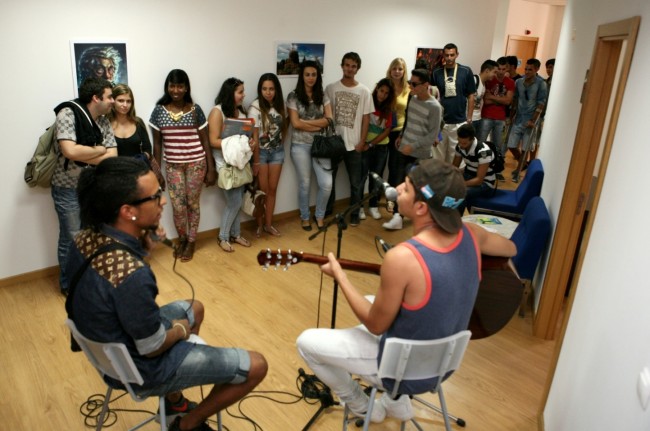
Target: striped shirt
[478, 154]
[181, 141]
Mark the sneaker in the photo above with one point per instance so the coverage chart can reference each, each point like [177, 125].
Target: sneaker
[390, 206]
[362, 215]
[399, 409]
[374, 213]
[182, 406]
[176, 426]
[378, 412]
[354, 221]
[395, 223]
[178, 409]
[500, 177]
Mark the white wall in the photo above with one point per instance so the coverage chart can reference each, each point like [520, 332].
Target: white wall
[211, 40]
[606, 343]
[543, 21]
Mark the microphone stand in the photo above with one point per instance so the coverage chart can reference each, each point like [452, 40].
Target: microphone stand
[325, 397]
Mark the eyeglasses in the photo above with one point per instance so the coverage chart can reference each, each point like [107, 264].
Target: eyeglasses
[155, 197]
[414, 84]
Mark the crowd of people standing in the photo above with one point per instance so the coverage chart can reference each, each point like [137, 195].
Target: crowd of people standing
[398, 123]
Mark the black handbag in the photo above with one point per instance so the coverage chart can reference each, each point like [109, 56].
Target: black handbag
[328, 144]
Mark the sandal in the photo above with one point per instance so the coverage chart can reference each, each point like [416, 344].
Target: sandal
[225, 246]
[271, 230]
[306, 225]
[241, 241]
[258, 232]
[188, 252]
[180, 246]
[319, 225]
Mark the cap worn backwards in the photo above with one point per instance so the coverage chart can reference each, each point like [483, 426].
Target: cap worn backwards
[443, 188]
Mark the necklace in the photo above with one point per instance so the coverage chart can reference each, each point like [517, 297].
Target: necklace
[176, 116]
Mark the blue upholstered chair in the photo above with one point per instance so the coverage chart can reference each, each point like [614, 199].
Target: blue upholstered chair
[512, 203]
[530, 237]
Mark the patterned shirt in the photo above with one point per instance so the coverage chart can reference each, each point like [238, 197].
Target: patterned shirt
[65, 130]
[478, 154]
[310, 112]
[270, 130]
[181, 141]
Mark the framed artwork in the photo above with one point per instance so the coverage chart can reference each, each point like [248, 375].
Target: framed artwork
[289, 55]
[102, 59]
[429, 58]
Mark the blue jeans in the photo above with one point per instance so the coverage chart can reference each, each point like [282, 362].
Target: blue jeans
[230, 219]
[273, 156]
[373, 160]
[67, 210]
[203, 365]
[520, 132]
[474, 192]
[303, 162]
[352, 160]
[494, 128]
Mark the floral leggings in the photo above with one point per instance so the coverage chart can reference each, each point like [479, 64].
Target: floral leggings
[185, 182]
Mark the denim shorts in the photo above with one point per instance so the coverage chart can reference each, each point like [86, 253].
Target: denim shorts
[203, 365]
[274, 156]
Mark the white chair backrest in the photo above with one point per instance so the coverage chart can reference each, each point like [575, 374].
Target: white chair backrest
[422, 359]
[111, 359]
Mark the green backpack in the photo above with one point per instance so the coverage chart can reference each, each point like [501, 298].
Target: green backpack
[40, 168]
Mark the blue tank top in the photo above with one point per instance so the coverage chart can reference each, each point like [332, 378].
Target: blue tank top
[452, 279]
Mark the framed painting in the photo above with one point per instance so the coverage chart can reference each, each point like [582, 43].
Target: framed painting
[289, 55]
[101, 59]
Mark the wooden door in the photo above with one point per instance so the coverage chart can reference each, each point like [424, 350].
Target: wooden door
[524, 47]
[601, 102]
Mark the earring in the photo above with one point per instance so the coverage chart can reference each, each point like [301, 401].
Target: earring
[134, 218]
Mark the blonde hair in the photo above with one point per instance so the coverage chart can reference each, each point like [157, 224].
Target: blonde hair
[398, 62]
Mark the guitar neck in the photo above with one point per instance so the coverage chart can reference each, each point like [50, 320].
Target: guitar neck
[354, 265]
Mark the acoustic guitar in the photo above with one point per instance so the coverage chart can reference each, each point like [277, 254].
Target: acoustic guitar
[499, 293]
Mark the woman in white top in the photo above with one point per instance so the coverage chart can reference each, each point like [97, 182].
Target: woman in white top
[270, 129]
[229, 105]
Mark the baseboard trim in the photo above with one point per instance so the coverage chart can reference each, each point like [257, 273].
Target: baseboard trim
[211, 233]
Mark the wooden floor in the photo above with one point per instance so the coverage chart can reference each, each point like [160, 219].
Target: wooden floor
[498, 387]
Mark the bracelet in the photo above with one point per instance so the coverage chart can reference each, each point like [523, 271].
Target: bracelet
[182, 327]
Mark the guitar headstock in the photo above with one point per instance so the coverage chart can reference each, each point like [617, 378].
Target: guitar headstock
[279, 258]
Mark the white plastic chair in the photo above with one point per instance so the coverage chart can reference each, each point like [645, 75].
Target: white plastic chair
[114, 360]
[418, 360]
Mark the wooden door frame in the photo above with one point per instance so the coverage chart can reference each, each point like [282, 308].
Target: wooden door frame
[525, 39]
[599, 95]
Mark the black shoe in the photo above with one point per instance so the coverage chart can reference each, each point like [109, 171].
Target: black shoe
[306, 225]
[354, 221]
[523, 168]
[500, 177]
[176, 426]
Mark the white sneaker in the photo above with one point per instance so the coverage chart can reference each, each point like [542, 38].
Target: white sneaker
[362, 215]
[395, 223]
[399, 409]
[378, 412]
[374, 212]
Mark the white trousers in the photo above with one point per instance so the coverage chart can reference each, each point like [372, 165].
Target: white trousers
[335, 354]
[446, 150]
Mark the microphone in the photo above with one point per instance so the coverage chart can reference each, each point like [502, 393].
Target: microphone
[384, 245]
[163, 240]
[387, 190]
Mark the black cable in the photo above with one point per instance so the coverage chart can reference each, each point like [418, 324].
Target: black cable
[322, 277]
[92, 408]
[186, 281]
